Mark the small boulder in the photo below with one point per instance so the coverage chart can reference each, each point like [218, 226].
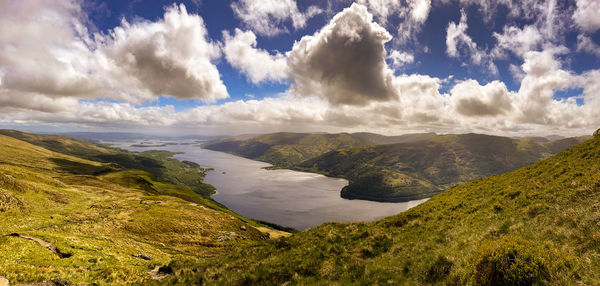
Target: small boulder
[597, 134]
[142, 256]
[242, 227]
[60, 282]
[4, 281]
[165, 270]
[142, 202]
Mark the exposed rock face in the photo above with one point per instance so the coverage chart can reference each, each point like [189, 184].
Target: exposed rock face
[597, 133]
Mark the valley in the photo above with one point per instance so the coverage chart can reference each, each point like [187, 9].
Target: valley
[68, 218]
[395, 168]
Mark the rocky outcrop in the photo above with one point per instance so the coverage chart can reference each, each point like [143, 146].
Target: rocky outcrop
[597, 133]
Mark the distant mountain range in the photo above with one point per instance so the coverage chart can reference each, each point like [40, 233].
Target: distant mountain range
[395, 168]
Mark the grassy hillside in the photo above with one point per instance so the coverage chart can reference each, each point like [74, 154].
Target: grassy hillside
[158, 163]
[64, 218]
[288, 149]
[395, 168]
[536, 225]
[407, 171]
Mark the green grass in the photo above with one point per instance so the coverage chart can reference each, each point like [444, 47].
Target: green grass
[408, 171]
[158, 163]
[536, 225]
[99, 215]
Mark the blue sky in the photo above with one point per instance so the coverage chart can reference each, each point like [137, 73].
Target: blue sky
[444, 66]
[219, 16]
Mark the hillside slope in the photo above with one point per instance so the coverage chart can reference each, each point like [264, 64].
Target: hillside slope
[64, 218]
[408, 171]
[158, 163]
[288, 149]
[536, 225]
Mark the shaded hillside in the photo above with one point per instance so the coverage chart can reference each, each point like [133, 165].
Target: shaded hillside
[287, 149]
[158, 163]
[537, 225]
[407, 171]
[64, 218]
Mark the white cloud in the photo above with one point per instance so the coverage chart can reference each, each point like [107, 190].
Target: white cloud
[400, 59]
[44, 49]
[412, 15]
[171, 56]
[47, 52]
[344, 62]
[585, 44]
[458, 42]
[471, 99]
[517, 40]
[543, 75]
[257, 64]
[268, 17]
[586, 15]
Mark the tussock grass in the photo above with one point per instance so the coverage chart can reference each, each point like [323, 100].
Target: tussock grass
[536, 225]
[96, 215]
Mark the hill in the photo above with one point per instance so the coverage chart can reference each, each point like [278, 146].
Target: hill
[395, 168]
[533, 226]
[65, 219]
[408, 171]
[158, 163]
[288, 149]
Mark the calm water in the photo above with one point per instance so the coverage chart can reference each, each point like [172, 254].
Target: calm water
[289, 198]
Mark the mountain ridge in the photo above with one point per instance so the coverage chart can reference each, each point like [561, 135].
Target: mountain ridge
[395, 168]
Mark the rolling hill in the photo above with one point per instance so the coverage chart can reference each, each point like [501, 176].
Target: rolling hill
[66, 219]
[158, 163]
[288, 149]
[408, 171]
[537, 225]
[395, 168]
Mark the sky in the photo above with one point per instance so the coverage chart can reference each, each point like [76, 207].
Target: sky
[213, 67]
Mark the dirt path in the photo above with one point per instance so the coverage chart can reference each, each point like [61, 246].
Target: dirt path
[48, 245]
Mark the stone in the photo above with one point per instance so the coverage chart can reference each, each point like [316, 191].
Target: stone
[60, 282]
[142, 256]
[242, 227]
[4, 281]
[597, 133]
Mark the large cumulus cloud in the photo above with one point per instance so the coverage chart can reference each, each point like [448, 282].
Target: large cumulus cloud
[344, 62]
[171, 56]
[49, 57]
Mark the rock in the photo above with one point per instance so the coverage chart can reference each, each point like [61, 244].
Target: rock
[142, 202]
[142, 256]
[165, 269]
[224, 238]
[597, 133]
[60, 282]
[160, 272]
[4, 281]
[242, 227]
